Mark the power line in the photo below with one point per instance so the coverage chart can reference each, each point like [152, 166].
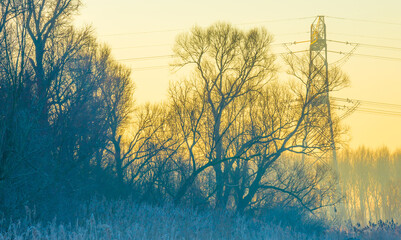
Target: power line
[170, 55]
[276, 20]
[151, 68]
[365, 36]
[294, 43]
[369, 56]
[276, 44]
[366, 45]
[370, 110]
[373, 107]
[177, 30]
[345, 57]
[379, 112]
[145, 32]
[377, 57]
[183, 29]
[246, 23]
[170, 44]
[145, 58]
[144, 46]
[292, 52]
[365, 20]
[375, 103]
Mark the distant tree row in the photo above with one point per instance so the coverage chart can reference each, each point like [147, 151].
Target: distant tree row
[230, 135]
[370, 180]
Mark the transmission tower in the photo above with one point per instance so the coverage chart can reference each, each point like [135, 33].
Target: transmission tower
[318, 84]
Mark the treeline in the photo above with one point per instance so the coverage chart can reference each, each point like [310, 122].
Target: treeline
[230, 135]
[62, 97]
[370, 180]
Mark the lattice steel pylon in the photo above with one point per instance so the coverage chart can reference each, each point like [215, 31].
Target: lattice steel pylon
[319, 111]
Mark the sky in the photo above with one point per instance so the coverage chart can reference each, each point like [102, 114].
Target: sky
[139, 29]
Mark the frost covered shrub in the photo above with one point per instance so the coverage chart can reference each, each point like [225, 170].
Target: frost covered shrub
[294, 218]
[128, 220]
[379, 230]
[101, 219]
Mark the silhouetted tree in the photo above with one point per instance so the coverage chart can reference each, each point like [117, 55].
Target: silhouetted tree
[234, 117]
[230, 65]
[279, 113]
[55, 121]
[131, 130]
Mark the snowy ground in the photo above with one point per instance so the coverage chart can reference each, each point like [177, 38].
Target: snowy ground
[127, 220]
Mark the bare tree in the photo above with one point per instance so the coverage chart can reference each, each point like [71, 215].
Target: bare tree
[116, 90]
[46, 22]
[232, 116]
[229, 64]
[279, 115]
[132, 131]
[5, 13]
[52, 112]
[12, 62]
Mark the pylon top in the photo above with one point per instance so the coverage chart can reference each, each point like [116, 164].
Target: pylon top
[318, 34]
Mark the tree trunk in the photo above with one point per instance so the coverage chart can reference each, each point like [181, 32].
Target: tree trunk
[118, 160]
[184, 188]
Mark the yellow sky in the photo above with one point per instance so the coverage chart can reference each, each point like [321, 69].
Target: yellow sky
[137, 29]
